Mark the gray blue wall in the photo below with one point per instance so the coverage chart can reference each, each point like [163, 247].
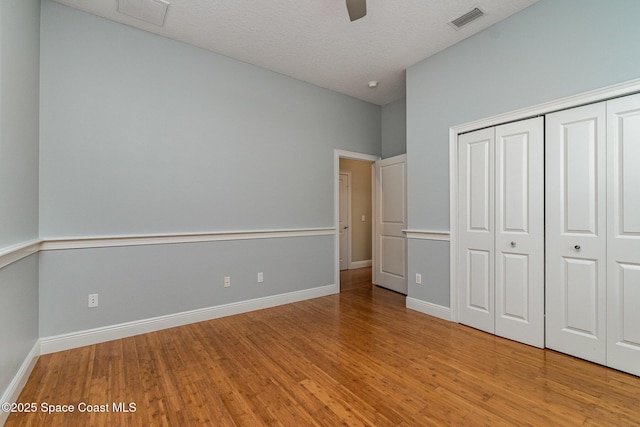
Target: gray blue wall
[19, 76]
[18, 316]
[141, 282]
[145, 135]
[548, 51]
[142, 134]
[394, 128]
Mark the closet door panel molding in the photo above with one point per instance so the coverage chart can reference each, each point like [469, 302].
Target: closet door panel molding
[476, 255]
[623, 234]
[501, 230]
[519, 239]
[576, 232]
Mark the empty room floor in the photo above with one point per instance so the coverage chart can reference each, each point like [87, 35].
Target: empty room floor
[355, 358]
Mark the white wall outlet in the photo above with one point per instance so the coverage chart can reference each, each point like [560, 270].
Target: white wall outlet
[418, 278]
[93, 300]
[260, 277]
[363, 218]
[227, 281]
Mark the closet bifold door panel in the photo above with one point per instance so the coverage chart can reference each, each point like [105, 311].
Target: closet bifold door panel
[576, 232]
[501, 230]
[623, 234]
[519, 231]
[475, 207]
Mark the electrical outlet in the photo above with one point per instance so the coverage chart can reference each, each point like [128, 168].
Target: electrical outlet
[93, 300]
[260, 277]
[227, 281]
[418, 278]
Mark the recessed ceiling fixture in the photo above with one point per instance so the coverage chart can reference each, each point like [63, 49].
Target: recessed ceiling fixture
[372, 84]
[465, 19]
[153, 11]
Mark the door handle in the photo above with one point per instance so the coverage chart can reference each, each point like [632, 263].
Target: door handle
[345, 227]
[576, 247]
[513, 244]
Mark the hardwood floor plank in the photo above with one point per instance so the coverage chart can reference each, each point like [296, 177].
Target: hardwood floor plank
[358, 358]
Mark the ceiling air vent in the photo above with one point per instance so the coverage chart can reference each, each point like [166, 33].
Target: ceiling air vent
[153, 11]
[466, 18]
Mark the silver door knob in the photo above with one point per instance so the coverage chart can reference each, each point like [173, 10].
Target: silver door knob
[513, 244]
[576, 247]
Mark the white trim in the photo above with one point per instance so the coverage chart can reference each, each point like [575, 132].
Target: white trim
[16, 252]
[360, 264]
[429, 308]
[12, 392]
[453, 224]
[597, 95]
[164, 239]
[342, 154]
[337, 155]
[427, 235]
[123, 330]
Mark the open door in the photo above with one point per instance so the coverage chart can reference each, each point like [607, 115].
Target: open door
[390, 205]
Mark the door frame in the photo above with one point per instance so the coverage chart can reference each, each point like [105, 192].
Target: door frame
[602, 94]
[348, 219]
[337, 155]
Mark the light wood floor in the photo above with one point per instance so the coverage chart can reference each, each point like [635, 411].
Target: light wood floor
[357, 358]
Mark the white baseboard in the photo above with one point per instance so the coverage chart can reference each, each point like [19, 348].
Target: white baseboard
[360, 264]
[94, 336]
[431, 309]
[12, 392]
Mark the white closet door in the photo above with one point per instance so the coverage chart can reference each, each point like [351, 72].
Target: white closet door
[576, 232]
[623, 246]
[519, 231]
[476, 236]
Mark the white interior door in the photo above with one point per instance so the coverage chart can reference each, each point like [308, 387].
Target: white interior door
[390, 246]
[623, 234]
[475, 225]
[343, 222]
[519, 231]
[576, 232]
[501, 230]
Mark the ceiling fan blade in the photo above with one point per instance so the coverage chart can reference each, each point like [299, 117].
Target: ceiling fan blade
[357, 9]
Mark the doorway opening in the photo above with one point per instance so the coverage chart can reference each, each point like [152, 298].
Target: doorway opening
[356, 210]
[353, 216]
[356, 279]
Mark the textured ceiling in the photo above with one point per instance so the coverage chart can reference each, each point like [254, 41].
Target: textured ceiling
[314, 41]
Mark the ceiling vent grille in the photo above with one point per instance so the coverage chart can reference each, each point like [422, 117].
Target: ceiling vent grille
[466, 18]
[153, 11]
